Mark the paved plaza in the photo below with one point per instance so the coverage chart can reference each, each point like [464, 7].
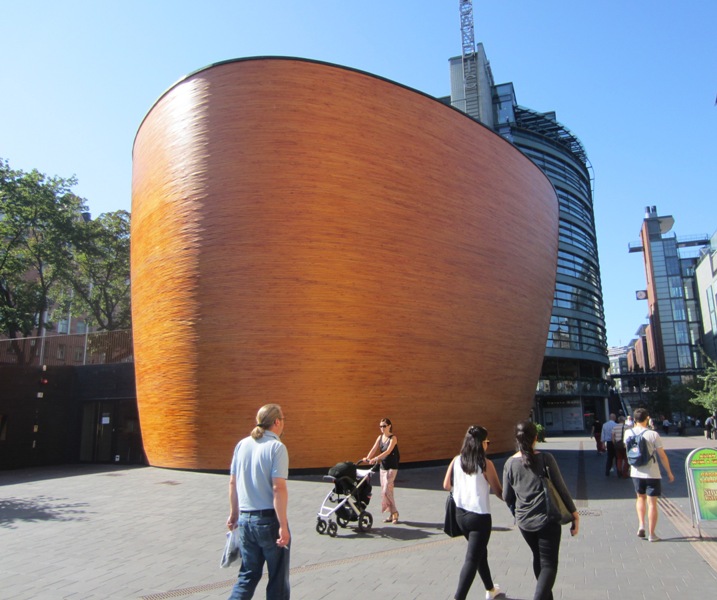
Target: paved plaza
[109, 532]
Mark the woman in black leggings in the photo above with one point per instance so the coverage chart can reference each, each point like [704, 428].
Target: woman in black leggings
[472, 476]
[523, 493]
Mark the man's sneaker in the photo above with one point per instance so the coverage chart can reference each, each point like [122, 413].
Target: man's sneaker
[494, 593]
[640, 533]
[654, 538]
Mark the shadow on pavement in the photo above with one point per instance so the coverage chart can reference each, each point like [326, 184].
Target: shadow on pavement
[15, 476]
[41, 508]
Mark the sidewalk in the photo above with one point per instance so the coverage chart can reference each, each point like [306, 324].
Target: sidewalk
[96, 532]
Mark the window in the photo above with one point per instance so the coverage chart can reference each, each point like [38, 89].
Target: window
[676, 287]
[681, 333]
[697, 358]
[672, 264]
[61, 351]
[684, 356]
[695, 334]
[678, 310]
[693, 313]
[711, 309]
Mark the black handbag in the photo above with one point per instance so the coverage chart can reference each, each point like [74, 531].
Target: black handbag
[451, 526]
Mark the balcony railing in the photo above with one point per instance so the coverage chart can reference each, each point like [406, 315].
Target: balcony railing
[99, 348]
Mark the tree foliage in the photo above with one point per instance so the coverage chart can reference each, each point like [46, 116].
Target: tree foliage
[705, 394]
[49, 254]
[100, 273]
[37, 217]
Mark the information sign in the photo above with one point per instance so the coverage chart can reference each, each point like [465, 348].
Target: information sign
[701, 470]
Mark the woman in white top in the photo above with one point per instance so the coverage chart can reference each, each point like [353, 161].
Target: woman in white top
[472, 476]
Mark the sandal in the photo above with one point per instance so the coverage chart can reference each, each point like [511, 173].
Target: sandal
[388, 519]
[394, 518]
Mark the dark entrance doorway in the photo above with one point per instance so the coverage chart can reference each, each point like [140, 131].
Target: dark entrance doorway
[110, 432]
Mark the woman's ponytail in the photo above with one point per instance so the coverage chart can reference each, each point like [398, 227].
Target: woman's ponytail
[525, 434]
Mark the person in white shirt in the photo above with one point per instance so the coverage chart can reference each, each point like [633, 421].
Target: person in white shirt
[618, 440]
[647, 478]
[472, 477]
[609, 446]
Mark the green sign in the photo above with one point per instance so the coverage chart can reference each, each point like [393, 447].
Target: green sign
[701, 467]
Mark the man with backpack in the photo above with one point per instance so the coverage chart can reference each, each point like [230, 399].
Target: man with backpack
[643, 445]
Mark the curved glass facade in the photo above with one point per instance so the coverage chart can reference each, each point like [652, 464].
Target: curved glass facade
[578, 322]
[573, 387]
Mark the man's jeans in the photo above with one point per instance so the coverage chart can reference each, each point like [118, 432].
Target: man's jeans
[257, 540]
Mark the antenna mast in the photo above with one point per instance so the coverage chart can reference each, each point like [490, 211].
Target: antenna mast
[470, 59]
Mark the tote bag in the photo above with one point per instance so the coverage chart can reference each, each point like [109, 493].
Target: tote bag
[555, 506]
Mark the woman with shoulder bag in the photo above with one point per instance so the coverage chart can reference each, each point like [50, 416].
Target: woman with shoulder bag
[473, 477]
[524, 495]
[385, 451]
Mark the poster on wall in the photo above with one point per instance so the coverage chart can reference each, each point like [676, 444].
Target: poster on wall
[563, 415]
[701, 469]
[573, 419]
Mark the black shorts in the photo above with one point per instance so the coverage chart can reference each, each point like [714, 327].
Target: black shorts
[649, 487]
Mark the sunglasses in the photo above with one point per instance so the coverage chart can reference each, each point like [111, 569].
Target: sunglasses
[383, 426]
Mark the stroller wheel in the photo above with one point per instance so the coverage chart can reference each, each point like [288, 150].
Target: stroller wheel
[333, 529]
[342, 521]
[321, 526]
[365, 521]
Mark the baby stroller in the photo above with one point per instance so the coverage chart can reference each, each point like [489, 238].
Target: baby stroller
[348, 499]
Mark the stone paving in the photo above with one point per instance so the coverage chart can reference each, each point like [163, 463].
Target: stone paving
[108, 532]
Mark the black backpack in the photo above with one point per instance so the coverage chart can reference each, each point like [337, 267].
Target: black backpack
[638, 453]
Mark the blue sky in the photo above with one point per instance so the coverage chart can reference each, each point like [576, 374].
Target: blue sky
[635, 80]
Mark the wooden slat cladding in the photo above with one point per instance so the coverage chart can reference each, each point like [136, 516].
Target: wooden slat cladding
[342, 245]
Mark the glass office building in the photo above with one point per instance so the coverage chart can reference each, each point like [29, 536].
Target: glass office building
[573, 387]
[675, 329]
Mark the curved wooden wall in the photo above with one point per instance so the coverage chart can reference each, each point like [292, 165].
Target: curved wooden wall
[347, 247]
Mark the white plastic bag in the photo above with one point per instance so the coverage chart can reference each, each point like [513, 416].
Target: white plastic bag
[231, 549]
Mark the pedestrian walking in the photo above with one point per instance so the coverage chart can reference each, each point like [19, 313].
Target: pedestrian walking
[596, 432]
[710, 425]
[472, 476]
[524, 494]
[609, 446]
[646, 475]
[258, 500]
[618, 439]
[666, 426]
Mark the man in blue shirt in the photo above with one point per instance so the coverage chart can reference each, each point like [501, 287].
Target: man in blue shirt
[258, 499]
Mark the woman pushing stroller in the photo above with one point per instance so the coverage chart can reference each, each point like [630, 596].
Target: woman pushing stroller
[385, 451]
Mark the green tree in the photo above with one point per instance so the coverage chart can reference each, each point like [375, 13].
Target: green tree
[705, 394]
[99, 276]
[680, 396]
[658, 398]
[38, 215]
